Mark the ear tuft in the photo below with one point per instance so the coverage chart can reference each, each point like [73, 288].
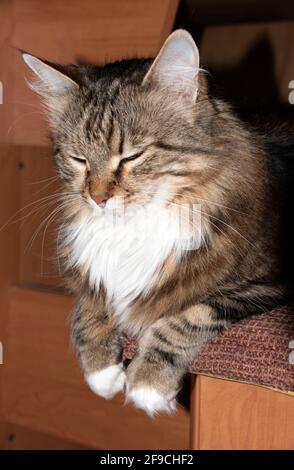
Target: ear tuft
[50, 81]
[177, 65]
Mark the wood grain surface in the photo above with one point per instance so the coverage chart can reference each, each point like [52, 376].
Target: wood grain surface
[233, 416]
[44, 389]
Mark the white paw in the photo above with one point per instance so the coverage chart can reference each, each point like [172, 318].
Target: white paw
[291, 355]
[107, 382]
[151, 401]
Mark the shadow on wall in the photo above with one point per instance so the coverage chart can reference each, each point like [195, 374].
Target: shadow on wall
[251, 84]
[252, 90]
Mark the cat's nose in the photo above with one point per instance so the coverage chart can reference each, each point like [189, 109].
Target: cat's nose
[101, 198]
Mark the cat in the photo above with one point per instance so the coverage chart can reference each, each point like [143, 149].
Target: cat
[135, 142]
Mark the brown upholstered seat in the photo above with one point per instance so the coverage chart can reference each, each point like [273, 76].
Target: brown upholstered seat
[255, 351]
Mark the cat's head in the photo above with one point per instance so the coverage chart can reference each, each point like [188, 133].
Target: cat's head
[128, 130]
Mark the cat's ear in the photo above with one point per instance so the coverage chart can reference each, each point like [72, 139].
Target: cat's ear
[54, 83]
[51, 79]
[176, 65]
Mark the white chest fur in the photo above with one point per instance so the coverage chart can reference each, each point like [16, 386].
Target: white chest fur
[125, 255]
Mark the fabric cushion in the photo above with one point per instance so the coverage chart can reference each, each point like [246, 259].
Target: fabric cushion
[254, 350]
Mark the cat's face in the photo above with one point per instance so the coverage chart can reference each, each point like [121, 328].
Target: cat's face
[132, 151]
[125, 134]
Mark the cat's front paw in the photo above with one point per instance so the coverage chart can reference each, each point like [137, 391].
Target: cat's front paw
[107, 382]
[151, 400]
[291, 355]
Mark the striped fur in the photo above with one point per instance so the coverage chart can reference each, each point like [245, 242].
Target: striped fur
[147, 134]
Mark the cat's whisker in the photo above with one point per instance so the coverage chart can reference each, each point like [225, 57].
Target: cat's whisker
[37, 209]
[58, 247]
[196, 199]
[44, 180]
[49, 220]
[224, 234]
[231, 227]
[222, 205]
[59, 208]
[44, 199]
[208, 216]
[19, 118]
[48, 182]
[23, 103]
[46, 185]
[201, 213]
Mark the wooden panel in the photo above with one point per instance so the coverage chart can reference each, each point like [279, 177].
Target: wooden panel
[28, 241]
[90, 31]
[6, 71]
[168, 23]
[99, 31]
[7, 169]
[75, 31]
[194, 412]
[38, 255]
[9, 234]
[13, 437]
[44, 390]
[233, 415]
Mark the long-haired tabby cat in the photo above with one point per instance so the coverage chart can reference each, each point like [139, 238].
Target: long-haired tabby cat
[145, 136]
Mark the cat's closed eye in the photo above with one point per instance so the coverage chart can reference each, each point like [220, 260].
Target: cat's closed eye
[127, 159]
[78, 159]
[131, 157]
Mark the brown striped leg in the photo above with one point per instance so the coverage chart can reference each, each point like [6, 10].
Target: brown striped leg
[166, 350]
[99, 345]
